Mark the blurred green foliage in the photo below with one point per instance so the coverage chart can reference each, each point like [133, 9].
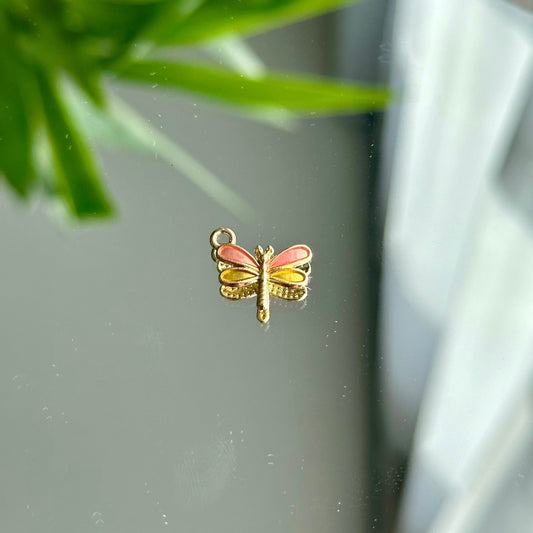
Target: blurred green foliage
[50, 47]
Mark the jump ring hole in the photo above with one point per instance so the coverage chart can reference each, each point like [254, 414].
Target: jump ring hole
[216, 244]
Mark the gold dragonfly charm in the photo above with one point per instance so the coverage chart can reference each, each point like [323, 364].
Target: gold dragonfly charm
[243, 275]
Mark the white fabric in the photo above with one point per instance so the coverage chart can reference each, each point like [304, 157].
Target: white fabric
[458, 257]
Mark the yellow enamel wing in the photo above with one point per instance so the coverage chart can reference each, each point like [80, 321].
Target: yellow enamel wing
[243, 275]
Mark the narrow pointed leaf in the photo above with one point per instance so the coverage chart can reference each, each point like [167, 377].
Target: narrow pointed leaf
[118, 22]
[90, 83]
[15, 126]
[121, 127]
[237, 55]
[240, 57]
[297, 94]
[177, 156]
[78, 180]
[100, 125]
[214, 18]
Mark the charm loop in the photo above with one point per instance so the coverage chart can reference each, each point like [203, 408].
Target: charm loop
[232, 239]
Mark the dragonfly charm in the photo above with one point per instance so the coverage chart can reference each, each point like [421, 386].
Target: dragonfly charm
[243, 275]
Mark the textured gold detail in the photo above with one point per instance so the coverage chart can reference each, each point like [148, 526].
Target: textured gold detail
[238, 293]
[287, 293]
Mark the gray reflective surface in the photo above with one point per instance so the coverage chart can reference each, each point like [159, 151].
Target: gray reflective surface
[133, 397]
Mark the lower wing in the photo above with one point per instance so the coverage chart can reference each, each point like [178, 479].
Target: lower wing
[287, 293]
[288, 283]
[238, 283]
[238, 293]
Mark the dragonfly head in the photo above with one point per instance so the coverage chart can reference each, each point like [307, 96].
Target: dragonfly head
[263, 256]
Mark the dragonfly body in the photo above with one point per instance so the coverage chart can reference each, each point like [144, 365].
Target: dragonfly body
[263, 292]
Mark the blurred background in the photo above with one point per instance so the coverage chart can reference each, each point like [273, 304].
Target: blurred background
[396, 399]
[456, 300]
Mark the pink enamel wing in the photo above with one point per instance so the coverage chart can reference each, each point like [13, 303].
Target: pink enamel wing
[243, 275]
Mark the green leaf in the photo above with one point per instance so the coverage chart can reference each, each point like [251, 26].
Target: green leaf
[214, 18]
[174, 154]
[240, 57]
[53, 46]
[119, 21]
[181, 160]
[129, 2]
[119, 126]
[88, 80]
[237, 55]
[15, 123]
[100, 125]
[278, 91]
[77, 178]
